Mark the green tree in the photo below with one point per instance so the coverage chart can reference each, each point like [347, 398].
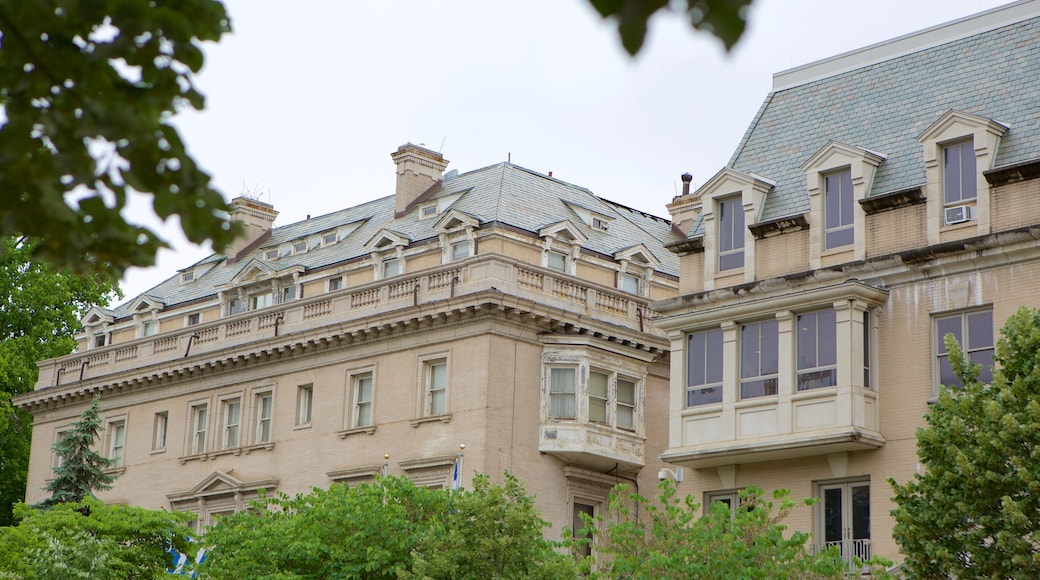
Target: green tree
[387, 529]
[40, 311]
[88, 90]
[975, 510]
[725, 19]
[670, 538]
[92, 540]
[82, 469]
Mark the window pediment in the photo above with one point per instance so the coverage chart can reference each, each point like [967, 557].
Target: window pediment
[97, 315]
[564, 230]
[259, 270]
[386, 239]
[834, 155]
[728, 181]
[220, 482]
[145, 302]
[956, 124]
[454, 220]
[638, 254]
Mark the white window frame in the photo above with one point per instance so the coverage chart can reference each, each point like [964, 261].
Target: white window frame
[198, 427]
[358, 404]
[149, 327]
[939, 347]
[433, 391]
[264, 416]
[563, 257]
[160, 431]
[559, 390]
[611, 401]
[730, 497]
[329, 238]
[845, 196]
[272, 254]
[391, 267]
[116, 434]
[288, 294]
[299, 247]
[231, 422]
[455, 255]
[965, 149]
[735, 230]
[704, 357]
[260, 300]
[817, 368]
[335, 283]
[193, 319]
[304, 405]
[631, 283]
[759, 376]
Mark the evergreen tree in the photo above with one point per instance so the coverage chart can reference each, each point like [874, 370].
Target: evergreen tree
[82, 469]
[975, 511]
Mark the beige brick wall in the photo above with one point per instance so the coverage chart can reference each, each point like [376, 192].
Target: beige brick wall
[896, 230]
[1015, 205]
[782, 254]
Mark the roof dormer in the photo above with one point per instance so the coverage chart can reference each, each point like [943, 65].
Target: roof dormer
[386, 239]
[454, 220]
[564, 230]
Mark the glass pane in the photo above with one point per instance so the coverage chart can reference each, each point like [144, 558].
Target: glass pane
[817, 379]
[557, 261]
[630, 283]
[860, 512]
[364, 389]
[827, 337]
[704, 396]
[749, 350]
[562, 406]
[967, 152]
[459, 250]
[234, 408]
[695, 346]
[946, 376]
[838, 238]
[807, 340]
[832, 524]
[946, 326]
[624, 417]
[437, 403]
[364, 418]
[759, 388]
[951, 174]
[846, 198]
[731, 261]
[770, 357]
[713, 357]
[438, 376]
[626, 392]
[598, 410]
[562, 380]
[598, 385]
[980, 330]
[984, 358]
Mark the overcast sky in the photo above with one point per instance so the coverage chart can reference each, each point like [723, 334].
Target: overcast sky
[306, 100]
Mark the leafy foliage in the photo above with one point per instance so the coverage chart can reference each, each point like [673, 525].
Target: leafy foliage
[723, 18]
[669, 537]
[88, 89]
[975, 511]
[91, 540]
[82, 470]
[388, 529]
[40, 310]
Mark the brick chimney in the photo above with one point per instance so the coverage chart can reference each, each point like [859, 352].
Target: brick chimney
[256, 218]
[684, 208]
[418, 168]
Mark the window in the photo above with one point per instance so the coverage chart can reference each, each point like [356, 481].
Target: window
[362, 398]
[556, 261]
[598, 397]
[429, 211]
[335, 284]
[236, 306]
[264, 409]
[304, 404]
[148, 328]
[817, 350]
[866, 349]
[391, 267]
[758, 359]
[731, 234]
[581, 512]
[600, 223]
[608, 392]
[288, 293]
[188, 277]
[232, 422]
[626, 403]
[299, 247]
[630, 283]
[194, 319]
[843, 519]
[329, 239]
[258, 301]
[159, 427]
[838, 207]
[271, 254]
[959, 172]
[460, 250]
[974, 332]
[285, 251]
[704, 368]
[59, 460]
[116, 442]
[99, 340]
[730, 499]
[562, 383]
[199, 418]
[436, 387]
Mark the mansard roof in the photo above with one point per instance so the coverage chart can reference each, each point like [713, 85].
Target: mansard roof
[501, 194]
[882, 97]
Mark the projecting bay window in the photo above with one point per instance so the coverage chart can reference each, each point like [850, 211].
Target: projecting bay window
[612, 399]
[563, 383]
[839, 210]
[759, 359]
[817, 350]
[731, 234]
[704, 367]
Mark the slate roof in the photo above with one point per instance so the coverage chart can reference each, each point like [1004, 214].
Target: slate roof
[883, 107]
[503, 194]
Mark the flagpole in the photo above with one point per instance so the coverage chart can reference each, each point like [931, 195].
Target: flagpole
[386, 464]
[456, 476]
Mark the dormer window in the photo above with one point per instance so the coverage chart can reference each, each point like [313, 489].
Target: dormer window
[288, 293]
[188, 276]
[460, 250]
[631, 283]
[99, 340]
[335, 283]
[556, 261]
[959, 172]
[600, 223]
[193, 319]
[839, 207]
[391, 267]
[428, 211]
[236, 306]
[731, 234]
[299, 247]
[148, 328]
[271, 254]
[263, 300]
[329, 239]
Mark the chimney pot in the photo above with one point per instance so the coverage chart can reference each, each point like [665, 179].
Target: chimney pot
[686, 179]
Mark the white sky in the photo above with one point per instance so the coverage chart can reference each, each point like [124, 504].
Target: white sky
[305, 104]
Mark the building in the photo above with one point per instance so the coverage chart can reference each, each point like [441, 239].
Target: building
[879, 200]
[499, 309]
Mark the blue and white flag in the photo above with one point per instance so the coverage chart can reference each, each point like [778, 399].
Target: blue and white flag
[456, 474]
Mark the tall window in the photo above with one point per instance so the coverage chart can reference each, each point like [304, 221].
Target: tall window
[264, 410]
[974, 332]
[758, 359]
[116, 442]
[99, 340]
[959, 172]
[731, 234]
[838, 207]
[866, 349]
[843, 519]
[625, 412]
[612, 399]
[304, 404]
[362, 413]
[232, 422]
[562, 387]
[817, 350]
[199, 420]
[704, 368]
[583, 511]
[437, 387]
[159, 428]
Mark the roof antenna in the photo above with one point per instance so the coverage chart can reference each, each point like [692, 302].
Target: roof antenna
[441, 150]
[509, 157]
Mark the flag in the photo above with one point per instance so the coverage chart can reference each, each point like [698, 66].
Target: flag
[456, 474]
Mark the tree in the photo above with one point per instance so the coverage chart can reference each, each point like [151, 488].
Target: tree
[975, 510]
[82, 469]
[92, 540]
[40, 311]
[88, 89]
[670, 538]
[723, 18]
[388, 529]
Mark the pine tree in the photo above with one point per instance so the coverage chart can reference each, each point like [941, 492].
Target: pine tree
[975, 511]
[82, 469]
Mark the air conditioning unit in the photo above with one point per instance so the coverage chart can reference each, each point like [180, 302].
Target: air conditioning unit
[959, 214]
